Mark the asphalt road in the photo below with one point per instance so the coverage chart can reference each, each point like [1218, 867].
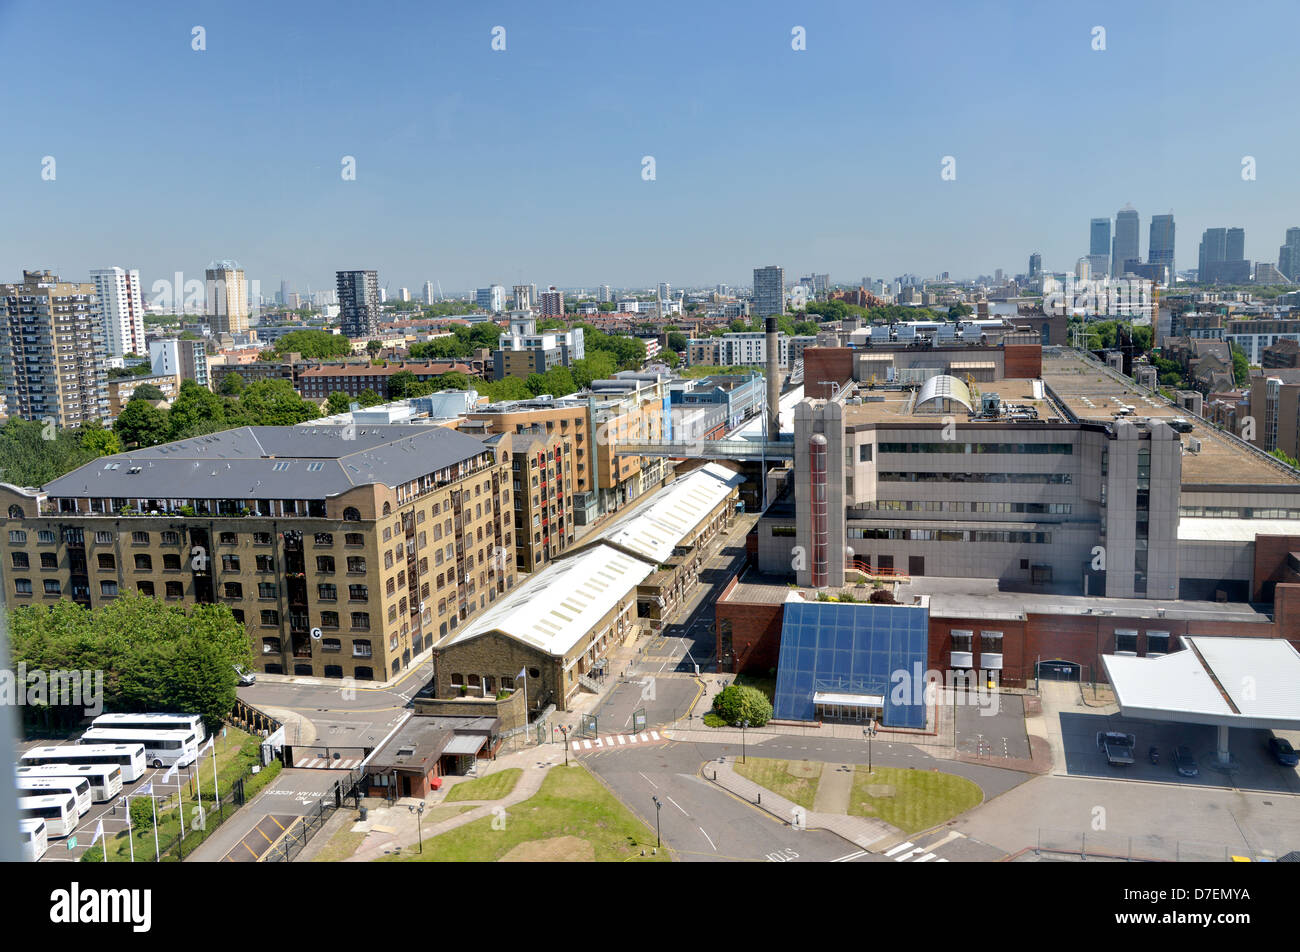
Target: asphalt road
[704, 823]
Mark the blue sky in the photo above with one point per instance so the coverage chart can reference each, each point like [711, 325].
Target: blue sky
[475, 166]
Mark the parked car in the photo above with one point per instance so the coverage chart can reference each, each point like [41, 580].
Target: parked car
[245, 677]
[1185, 762]
[1283, 752]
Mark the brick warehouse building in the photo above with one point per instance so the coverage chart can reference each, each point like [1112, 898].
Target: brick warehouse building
[1010, 632]
[559, 624]
[344, 551]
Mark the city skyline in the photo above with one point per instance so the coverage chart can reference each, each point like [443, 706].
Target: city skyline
[436, 175]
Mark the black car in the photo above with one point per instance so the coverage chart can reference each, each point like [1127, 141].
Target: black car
[1283, 752]
[1185, 762]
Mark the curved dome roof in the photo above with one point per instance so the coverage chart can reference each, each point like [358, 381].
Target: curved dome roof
[945, 387]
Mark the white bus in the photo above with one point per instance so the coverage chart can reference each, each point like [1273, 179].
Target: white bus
[79, 787]
[31, 834]
[105, 779]
[154, 722]
[129, 757]
[161, 748]
[58, 810]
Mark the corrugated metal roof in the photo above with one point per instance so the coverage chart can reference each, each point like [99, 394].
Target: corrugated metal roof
[657, 528]
[556, 607]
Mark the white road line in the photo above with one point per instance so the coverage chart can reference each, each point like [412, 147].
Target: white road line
[648, 780]
[899, 848]
[598, 743]
[577, 745]
[924, 859]
[677, 805]
[904, 857]
[586, 745]
[709, 838]
[642, 738]
[849, 856]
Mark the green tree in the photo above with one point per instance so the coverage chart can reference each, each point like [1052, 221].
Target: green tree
[373, 348]
[598, 366]
[97, 441]
[314, 344]
[147, 391]
[557, 381]
[368, 398]
[451, 380]
[142, 816]
[338, 402]
[509, 388]
[677, 340]
[272, 403]
[232, 384]
[1240, 366]
[740, 702]
[399, 384]
[141, 424]
[196, 411]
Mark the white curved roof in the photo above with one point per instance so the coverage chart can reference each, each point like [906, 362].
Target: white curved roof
[945, 387]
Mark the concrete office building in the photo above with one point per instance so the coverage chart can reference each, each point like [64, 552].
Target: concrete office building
[491, 298]
[769, 291]
[1037, 478]
[524, 351]
[226, 299]
[121, 309]
[186, 359]
[378, 543]
[52, 350]
[1222, 257]
[1160, 245]
[1099, 246]
[359, 300]
[1125, 246]
[1288, 256]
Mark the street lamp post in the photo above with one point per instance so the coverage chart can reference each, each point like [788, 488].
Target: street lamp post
[869, 732]
[743, 725]
[658, 806]
[564, 732]
[418, 821]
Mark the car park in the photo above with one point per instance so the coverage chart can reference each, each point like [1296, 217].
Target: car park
[1185, 763]
[1283, 752]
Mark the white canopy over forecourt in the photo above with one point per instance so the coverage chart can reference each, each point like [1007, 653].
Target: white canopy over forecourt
[1227, 682]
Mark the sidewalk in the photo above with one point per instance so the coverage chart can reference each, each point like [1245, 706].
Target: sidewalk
[860, 831]
[392, 829]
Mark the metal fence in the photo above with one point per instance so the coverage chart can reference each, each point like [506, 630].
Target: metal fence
[289, 846]
[1103, 845]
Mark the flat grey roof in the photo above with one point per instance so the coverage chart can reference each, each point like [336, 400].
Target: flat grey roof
[273, 462]
[981, 598]
[1235, 682]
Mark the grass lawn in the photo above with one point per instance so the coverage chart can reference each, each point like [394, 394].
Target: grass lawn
[912, 800]
[492, 787]
[796, 780]
[571, 817]
[435, 815]
[342, 845]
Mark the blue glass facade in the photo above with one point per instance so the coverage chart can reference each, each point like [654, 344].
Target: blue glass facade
[853, 649]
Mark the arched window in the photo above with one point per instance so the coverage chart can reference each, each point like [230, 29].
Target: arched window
[16, 512]
[350, 514]
[387, 509]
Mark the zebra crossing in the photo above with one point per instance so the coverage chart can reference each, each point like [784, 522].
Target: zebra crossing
[911, 853]
[617, 740]
[322, 763]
